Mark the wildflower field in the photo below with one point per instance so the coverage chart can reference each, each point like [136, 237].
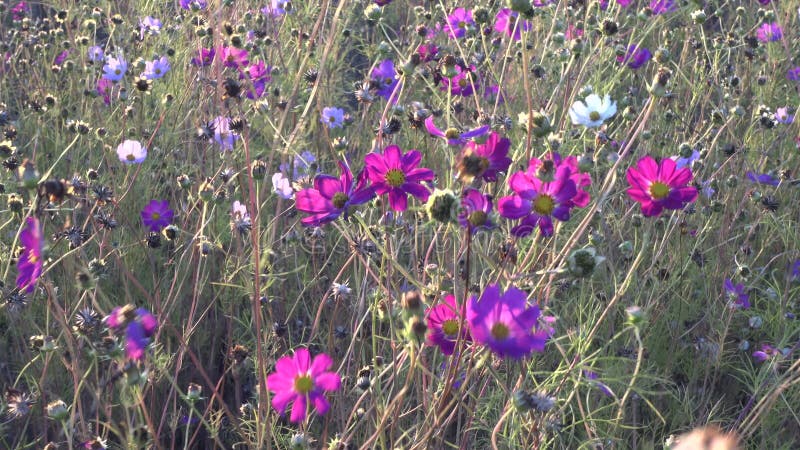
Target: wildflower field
[408, 224]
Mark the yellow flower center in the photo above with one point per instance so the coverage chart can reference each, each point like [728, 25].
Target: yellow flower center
[452, 133]
[462, 24]
[477, 218]
[33, 258]
[594, 115]
[303, 384]
[543, 205]
[395, 178]
[155, 216]
[450, 327]
[131, 157]
[339, 200]
[659, 190]
[500, 331]
[462, 83]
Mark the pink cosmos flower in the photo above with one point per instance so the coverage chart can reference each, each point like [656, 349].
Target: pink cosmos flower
[503, 322]
[484, 160]
[331, 197]
[506, 22]
[234, 57]
[463, 83]
[538, 168]
[396, 173]
[458, 22]
[769, 32]
[537, 202]
[157, 215]
[452, 135]
[476, 209]
[300, 380]
[445, 322]
[29, 264]
[659, 186]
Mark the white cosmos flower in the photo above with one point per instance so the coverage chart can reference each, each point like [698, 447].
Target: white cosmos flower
[592, 113]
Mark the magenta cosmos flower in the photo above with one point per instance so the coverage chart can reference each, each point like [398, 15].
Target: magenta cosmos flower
[503, 322]
[659, 186]
[452, 135]
[139, 325]
[384, 78]
[463, 83]
[396, 173]
[203, 57]
[506, 22]
[541, 168]
[234, 57]
[157, 215]
[445, 322]
[29, 264]
[537, 202]
[635, 57]
[769, 32]
[331, 197]
[476, 210]
[458, 22]
[300, 380]
[484, 160]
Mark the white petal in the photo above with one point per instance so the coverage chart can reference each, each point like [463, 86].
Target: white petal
[593, 103]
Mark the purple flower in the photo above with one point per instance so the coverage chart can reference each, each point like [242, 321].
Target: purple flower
[331, 197]
[115, 68]
[769, 32]
[793, 74]
[156, 68]
[593, 380]
[452, 135]
[763, 178]
[203, 57]
[783, 116]
[332, 117]
[104, 89]
[259, 74]
[29, 264]
[458, 22]
[384, 78]
[157, 215]
[303, 382]
[463, 83]
[193, 4]
[506, 22]
[61, 58]
[139, 325]
[662, 6]
[484, 160]
[223, 135]
[737, 297]
[537, 202]
[276, 7]
[446, 325]
[794, 271]
[282, 186]
[131, 152]
[680, 163]
[503, 322]
[301, 165]
[476, 209]
[95, 53]
[635, 57]
[396, 173]
[234, 57]
[149, 25]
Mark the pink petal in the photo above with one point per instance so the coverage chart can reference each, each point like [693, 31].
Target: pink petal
[328, 381]
[298, 409]
[321, 363]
